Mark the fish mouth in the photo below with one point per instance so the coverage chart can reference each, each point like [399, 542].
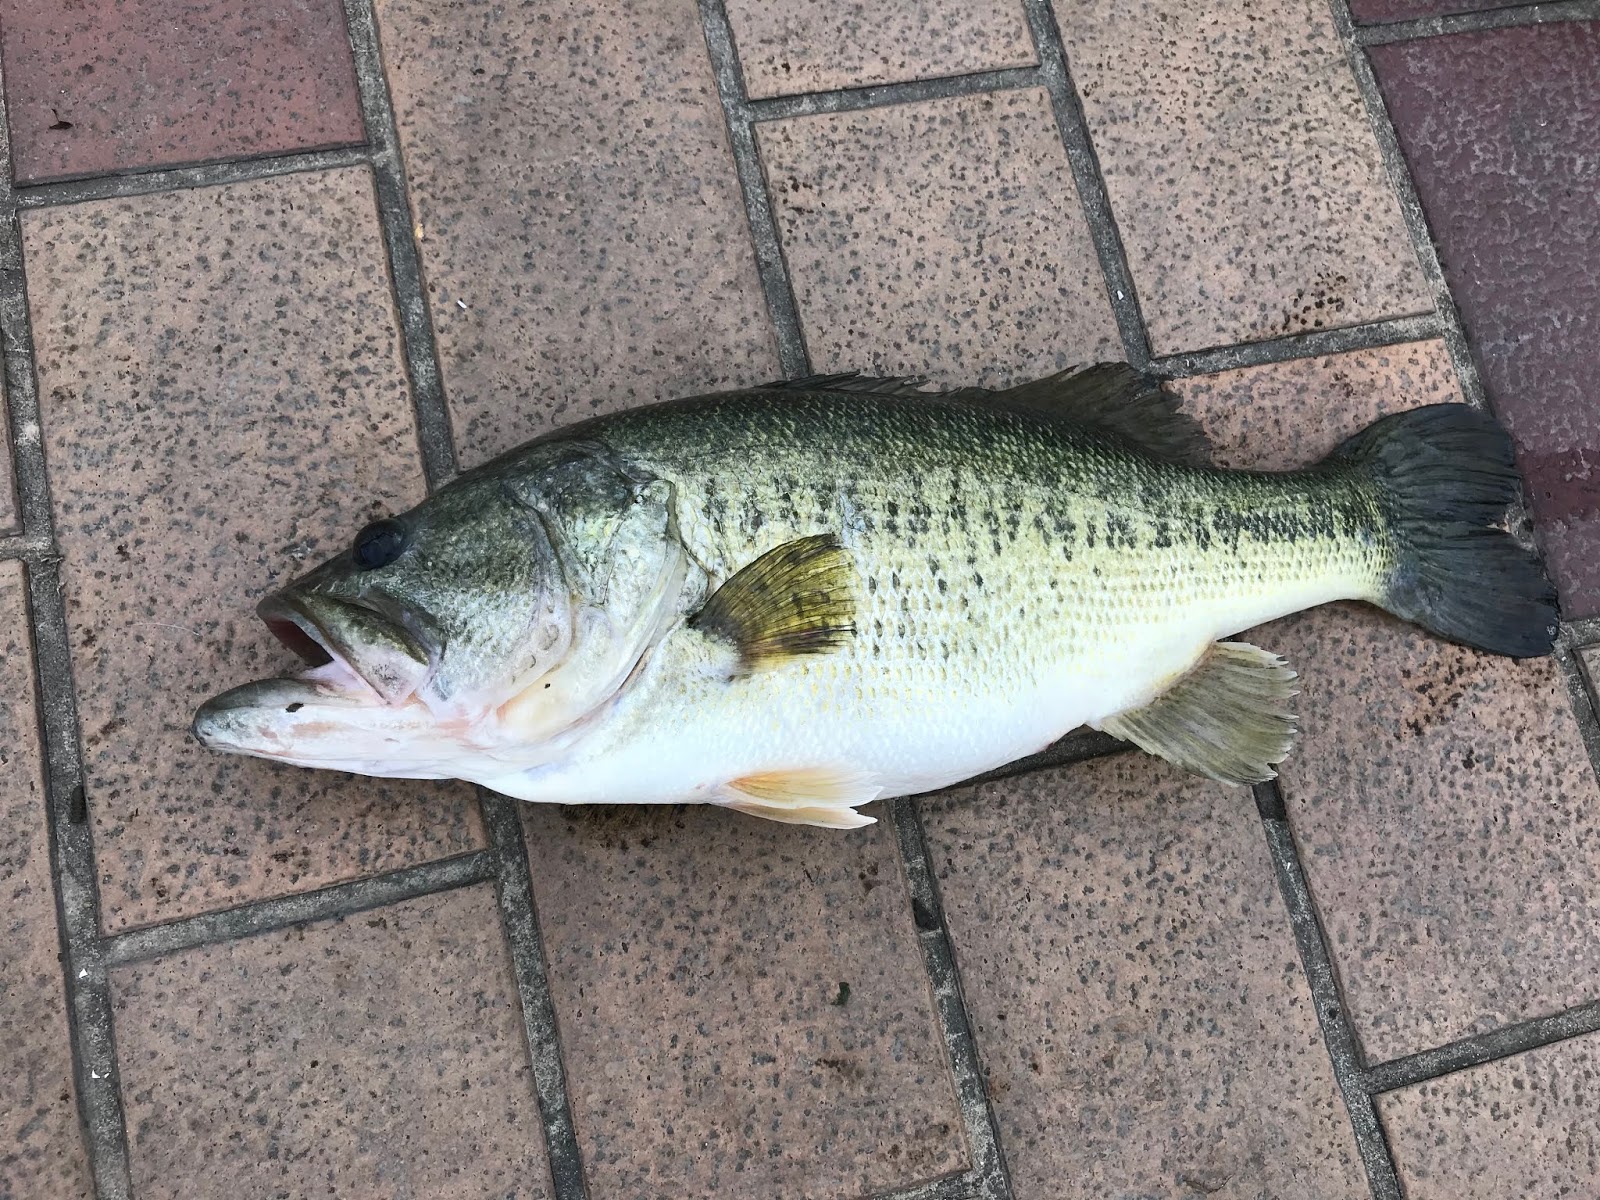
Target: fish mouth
[349, 648]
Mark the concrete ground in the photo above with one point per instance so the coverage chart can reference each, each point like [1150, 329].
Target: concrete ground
[268, 267]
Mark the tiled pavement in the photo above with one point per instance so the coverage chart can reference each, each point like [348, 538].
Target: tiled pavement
[267, 267]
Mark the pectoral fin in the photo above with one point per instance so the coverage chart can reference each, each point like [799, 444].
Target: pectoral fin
[795, 599]
[825, 796]
[1226, 719]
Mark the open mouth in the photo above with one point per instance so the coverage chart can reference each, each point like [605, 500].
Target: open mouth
[347, 648]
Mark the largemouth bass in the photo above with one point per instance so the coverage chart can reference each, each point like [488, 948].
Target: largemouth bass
[796, 599]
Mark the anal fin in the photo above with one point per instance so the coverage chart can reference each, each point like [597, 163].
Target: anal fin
[1226, 719]
[825, 796]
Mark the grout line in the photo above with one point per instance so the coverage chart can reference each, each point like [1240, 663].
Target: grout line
[793, 358]
[20, 545]
[1583, 700]
[854, 99]
[1370, 335]
[1337, 1033]
[282, 912]
[988, 1177]
[1474, 22]
[1080, 745]
[513, 886]
[1092, 196]
[1483, 1048]
[96, 1081]
[400, 243]
[519, 918]
[144, 183]
[1583, 631]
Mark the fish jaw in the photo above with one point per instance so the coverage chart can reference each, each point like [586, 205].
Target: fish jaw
[309, 722]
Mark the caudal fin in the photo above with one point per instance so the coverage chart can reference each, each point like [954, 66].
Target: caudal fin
[1447, 476]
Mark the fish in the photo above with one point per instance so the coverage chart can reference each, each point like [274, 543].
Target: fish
[795, 599]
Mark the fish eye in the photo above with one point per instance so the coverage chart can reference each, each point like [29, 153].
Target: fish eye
[379, 544]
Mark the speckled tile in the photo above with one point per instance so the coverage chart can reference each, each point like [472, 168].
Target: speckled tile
[743, 1007]
[223, 404]
[1501, 131]
[1443, 800]
[1523, 1126]
[585, 243]
[41, 1150]
[787, 49]
[1370, 12]
[941, 238]
[1137, 997]
[377, 1056]
[1242, 169]
[104, 86]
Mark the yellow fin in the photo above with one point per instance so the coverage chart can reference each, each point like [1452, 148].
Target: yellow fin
[825, 796]
[793, 600]
[1226, 719]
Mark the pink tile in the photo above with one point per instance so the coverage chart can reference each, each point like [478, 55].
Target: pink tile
[380, 1055]
[1138, 1000]
[1443, 800]
[103, 86]
[1523, 1126]
[1242, 169]
[223, 404]
[585, 244]
[41, 1149]
[787, 49]
[941, 238]
[743, 1006]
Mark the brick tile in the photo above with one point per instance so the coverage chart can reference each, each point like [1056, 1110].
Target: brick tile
[1370, 12]
[1242, 169]
[223, 404]
[585, 242]
[943, 237]
[1136, 991]
[1442, 798]
[380, 1055]
[1502, 132]
[105, 86]
[787, 49]
[1523, 1126]
[696, 959]
[41, 1151]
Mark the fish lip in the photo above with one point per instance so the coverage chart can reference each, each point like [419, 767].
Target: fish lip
[294, 623]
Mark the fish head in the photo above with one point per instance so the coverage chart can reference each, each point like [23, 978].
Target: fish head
[478, 624]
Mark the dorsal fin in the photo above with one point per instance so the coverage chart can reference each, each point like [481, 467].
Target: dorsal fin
[1118, 399]
[1111, 397]
[851, 381]
[795, 599]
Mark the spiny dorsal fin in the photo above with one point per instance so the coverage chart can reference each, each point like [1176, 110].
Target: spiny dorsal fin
[825, 796]
[1111, 397]
[795, 599]
[1226, 719]
[1117, 399]
[851, 381]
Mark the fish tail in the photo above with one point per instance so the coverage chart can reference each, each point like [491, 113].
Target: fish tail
[1446, 477]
